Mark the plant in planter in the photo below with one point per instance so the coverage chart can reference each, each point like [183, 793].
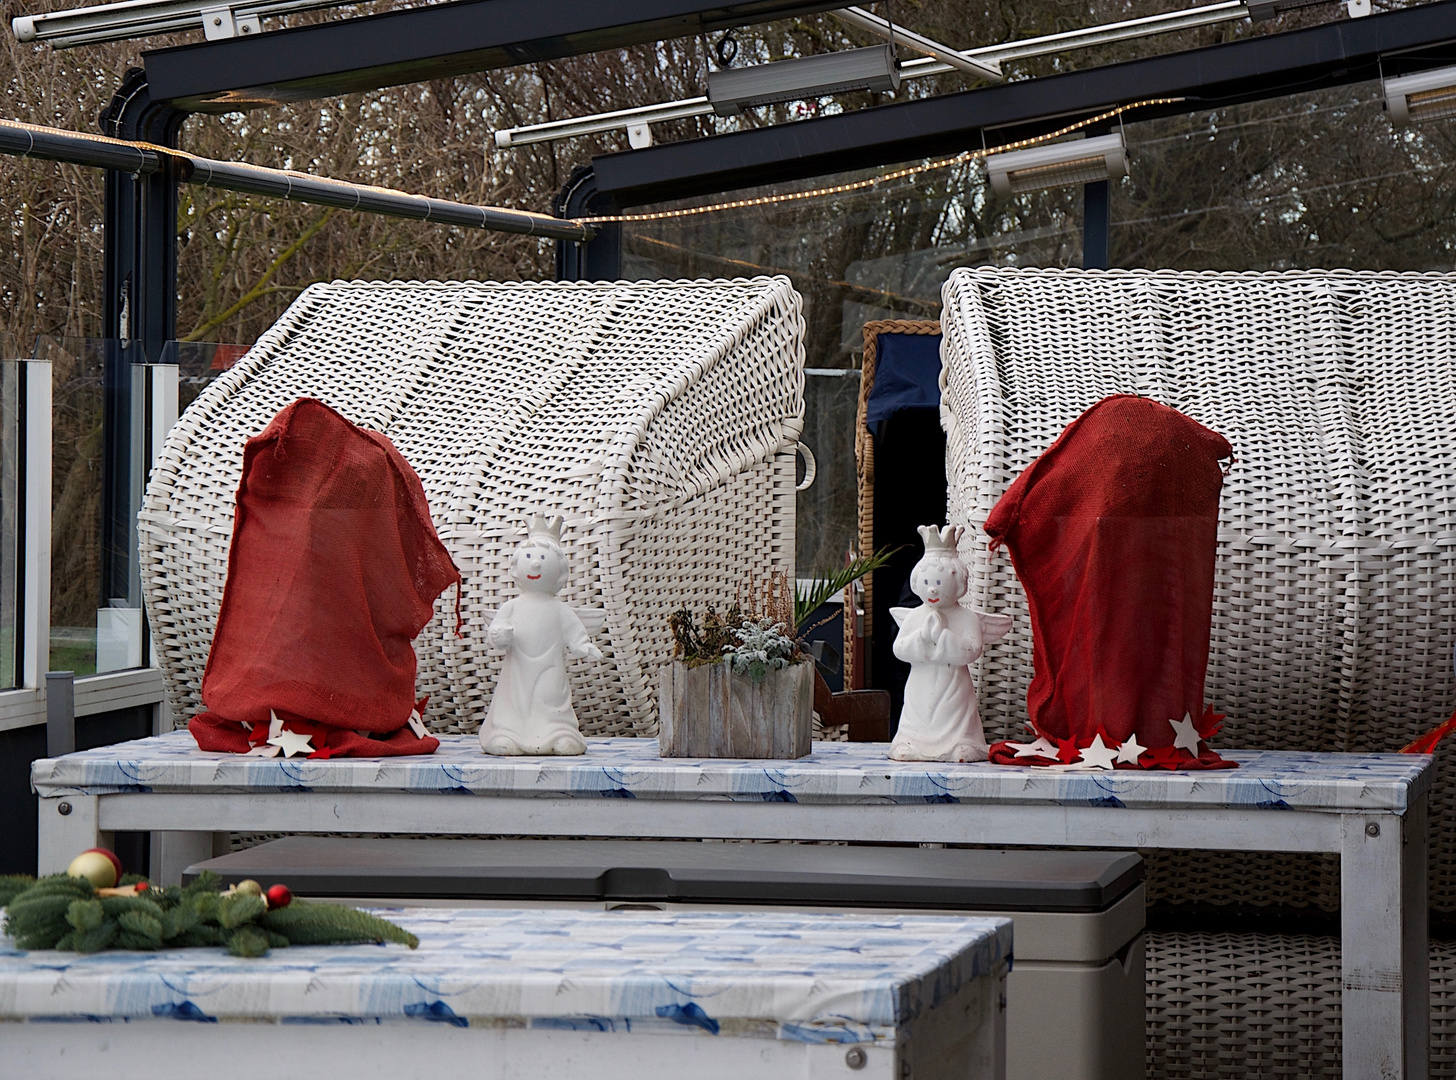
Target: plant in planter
[740, 683]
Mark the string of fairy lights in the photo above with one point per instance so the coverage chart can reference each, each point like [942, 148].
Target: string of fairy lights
[761, 200]
[874, 181]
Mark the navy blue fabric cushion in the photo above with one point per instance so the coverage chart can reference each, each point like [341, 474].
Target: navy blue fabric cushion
[907, 375]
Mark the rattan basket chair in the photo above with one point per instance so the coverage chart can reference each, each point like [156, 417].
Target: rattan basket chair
[864, 462]
[660, 418]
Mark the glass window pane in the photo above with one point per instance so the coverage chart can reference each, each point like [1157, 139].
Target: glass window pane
[1317, 180]
[881, 252]
[199, 362]
[76, 447]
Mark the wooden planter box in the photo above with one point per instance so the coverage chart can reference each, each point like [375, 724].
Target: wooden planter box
[708, 711]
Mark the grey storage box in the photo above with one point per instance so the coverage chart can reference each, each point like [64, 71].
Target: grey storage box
[1075, 992]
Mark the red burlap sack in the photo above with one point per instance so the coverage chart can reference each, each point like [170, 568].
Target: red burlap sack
[333, 571]
[1112, 532]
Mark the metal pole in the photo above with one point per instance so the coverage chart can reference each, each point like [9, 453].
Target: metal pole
[236, 176]
[141, 163]
[989, 70]
[139, 316]
[28, 140]
[60, 713]
[1096, 225]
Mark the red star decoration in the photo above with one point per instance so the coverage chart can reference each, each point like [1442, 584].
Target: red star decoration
[1209, 724]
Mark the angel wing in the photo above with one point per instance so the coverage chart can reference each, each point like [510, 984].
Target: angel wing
[593, 619]
[993, 627]
[900, 614]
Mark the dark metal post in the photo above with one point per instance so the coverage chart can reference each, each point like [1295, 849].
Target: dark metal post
[1096, 224]
[60, 713]
[600, 259]
[139, 317]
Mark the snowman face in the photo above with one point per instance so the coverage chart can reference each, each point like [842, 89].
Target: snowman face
[539, 569]
[939, 581]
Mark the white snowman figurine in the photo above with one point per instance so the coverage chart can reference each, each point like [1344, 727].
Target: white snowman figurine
[530, 712]
[939, 640]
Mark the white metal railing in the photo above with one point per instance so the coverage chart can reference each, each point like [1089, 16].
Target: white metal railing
[94, 694]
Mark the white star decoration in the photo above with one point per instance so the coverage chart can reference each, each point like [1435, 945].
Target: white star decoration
[417, 724]
[1040, 748]
[1099, 754]
[264, 749]
[1131, 750]
[1186, 736]
[291, 742]
[279, 741]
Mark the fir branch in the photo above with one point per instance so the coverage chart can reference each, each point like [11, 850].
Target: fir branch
[62, 912]
[306, 923]
[85, 914]
[239, 908]
[11, 885]
[248, 941]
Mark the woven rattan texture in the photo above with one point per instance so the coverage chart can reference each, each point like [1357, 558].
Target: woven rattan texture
[1337, 543]
[1265, 1005]
[1288, 879]
[659, 418]
[864, 463]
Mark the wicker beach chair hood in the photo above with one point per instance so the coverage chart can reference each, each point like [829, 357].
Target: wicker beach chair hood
[660, 419]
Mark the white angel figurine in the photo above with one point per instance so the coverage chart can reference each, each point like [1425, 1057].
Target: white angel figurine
[939, 640]
[530, 712]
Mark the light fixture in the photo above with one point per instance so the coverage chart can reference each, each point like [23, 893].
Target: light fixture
[1427, 95]
[734, 89]
[142, 18]
[1127, 30]
[1080, 161]
[899, 35]
[1264, 10]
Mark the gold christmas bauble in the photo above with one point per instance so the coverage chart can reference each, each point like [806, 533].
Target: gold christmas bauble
[248, 886]
[96, 867]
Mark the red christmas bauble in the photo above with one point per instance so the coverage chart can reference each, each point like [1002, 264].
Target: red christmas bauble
[279, 896]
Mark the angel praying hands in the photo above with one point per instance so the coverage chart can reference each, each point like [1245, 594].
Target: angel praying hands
[530, 712]
[940, 640]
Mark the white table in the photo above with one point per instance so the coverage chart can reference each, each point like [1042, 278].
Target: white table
[497, 993]
[1370, 809]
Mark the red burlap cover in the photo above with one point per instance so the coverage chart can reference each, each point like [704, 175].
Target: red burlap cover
[333, 571]
[1112, 532]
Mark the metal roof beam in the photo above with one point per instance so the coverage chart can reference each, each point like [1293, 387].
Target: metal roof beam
[431, 42]
[1268, 66]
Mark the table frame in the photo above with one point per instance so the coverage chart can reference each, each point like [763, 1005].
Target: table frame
[1383, 911]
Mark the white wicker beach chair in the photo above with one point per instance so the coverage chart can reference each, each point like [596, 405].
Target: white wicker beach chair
[660, 418]
[1336, 574]
[1335, 589]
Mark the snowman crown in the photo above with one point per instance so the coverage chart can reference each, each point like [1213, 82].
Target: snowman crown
[544, 527]
[941, 540]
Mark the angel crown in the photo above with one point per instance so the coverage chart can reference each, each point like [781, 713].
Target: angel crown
[947, 539]
[544, 527]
